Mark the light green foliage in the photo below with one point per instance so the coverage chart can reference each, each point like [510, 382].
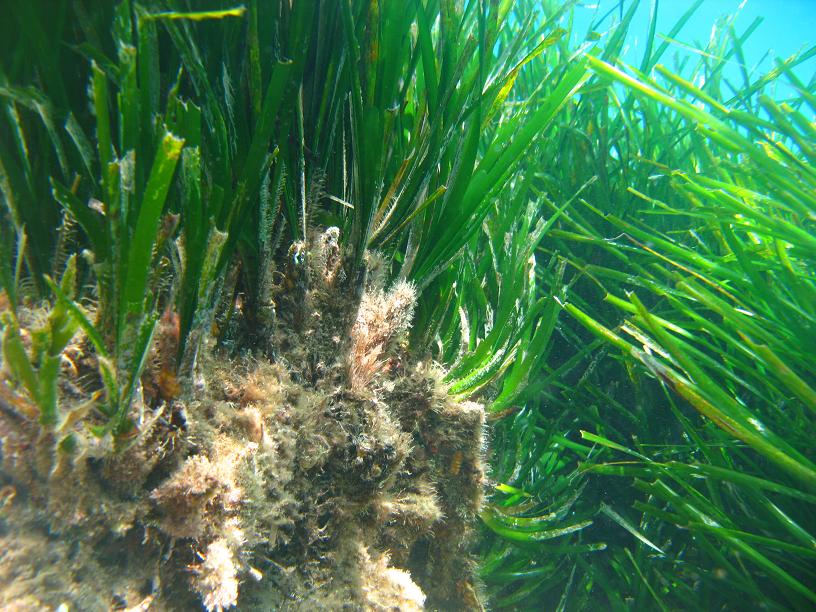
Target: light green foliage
[690, 257]
[38, 367]
[33, 358]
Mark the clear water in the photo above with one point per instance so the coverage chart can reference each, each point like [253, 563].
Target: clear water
[788, 27]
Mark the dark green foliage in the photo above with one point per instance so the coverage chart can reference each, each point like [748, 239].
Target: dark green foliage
[215, 130]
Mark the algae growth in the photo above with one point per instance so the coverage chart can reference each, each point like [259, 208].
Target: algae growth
[328, 470]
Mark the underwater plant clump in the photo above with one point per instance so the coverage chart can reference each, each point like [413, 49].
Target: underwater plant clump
[328, 469]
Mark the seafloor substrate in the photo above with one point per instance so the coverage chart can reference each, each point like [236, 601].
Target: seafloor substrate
[325, 469]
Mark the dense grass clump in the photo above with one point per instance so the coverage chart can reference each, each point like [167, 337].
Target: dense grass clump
[284, 184]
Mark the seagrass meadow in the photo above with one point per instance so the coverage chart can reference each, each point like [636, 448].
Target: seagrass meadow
[403, 305]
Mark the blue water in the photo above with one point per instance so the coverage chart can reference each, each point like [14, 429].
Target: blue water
[788, 27]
